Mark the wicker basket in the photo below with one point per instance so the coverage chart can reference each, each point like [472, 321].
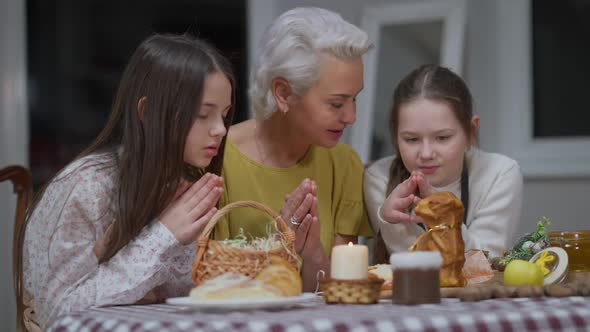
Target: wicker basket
[364, 291]
[215, 258]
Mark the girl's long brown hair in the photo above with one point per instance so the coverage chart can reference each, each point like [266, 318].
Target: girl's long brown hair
[435, 83]
[147, 152]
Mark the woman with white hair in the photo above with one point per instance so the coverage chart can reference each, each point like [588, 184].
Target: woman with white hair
[307, 75]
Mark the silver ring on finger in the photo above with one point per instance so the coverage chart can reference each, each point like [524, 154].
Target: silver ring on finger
[294, 221]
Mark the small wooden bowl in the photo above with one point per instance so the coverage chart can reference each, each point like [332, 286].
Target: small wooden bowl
[363, 291]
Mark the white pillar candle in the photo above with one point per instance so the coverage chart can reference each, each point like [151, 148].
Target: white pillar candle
[349, 262]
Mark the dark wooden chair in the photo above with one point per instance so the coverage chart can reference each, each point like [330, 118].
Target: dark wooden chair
[23, 188]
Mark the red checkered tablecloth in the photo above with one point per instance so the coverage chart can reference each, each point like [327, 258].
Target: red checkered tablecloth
[519, 314]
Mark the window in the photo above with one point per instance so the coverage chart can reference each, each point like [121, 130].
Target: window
[560, 35]
[78, 49]
[543, 149]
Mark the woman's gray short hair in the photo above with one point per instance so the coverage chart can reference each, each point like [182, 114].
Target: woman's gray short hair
[290, 48]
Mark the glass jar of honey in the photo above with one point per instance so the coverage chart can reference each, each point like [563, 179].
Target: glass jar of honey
[577, 246]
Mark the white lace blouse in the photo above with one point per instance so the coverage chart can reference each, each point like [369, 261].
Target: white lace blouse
[61, 271]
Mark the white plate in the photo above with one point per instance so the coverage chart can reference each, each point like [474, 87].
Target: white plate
[242, 304]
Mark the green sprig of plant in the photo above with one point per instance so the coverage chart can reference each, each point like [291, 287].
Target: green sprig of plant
[518, 252]
[542, 226]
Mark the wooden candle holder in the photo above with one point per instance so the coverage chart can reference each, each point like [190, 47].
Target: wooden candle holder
[362, 291]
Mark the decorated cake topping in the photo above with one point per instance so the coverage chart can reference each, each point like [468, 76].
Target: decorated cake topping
[547, 261]
[415, 260]
[553, 261]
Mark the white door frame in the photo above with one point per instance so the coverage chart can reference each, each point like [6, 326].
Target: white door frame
[452, 13]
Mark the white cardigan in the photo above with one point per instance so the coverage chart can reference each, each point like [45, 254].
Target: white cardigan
[495, 203]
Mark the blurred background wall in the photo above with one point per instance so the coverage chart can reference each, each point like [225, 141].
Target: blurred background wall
[14, 138]
[60, 61]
